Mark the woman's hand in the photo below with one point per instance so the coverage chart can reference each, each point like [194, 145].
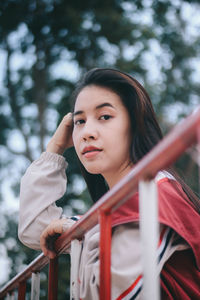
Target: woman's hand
[51, 233]
[62, 138]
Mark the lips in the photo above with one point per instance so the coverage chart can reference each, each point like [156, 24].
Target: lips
[91, 149]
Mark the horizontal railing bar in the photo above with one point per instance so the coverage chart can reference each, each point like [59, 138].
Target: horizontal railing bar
[35, 266]
[163, 155]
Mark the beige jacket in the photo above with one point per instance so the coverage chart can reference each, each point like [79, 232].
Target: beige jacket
[42, 185]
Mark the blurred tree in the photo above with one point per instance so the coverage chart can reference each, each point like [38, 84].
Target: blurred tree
[46, 45]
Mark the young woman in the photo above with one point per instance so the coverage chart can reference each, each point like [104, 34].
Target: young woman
[112, 127]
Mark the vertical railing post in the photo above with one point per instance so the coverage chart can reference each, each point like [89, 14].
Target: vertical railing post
[76, 248]
[22, 290]
[10, 296]
[35, 286]
[105, 256]
[149, 238]
[53, 279]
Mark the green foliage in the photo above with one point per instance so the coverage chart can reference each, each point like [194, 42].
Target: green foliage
[48, 44]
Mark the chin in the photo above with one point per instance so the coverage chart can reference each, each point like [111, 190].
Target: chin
[93, 170]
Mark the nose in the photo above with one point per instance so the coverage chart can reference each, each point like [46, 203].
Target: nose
[89, 131]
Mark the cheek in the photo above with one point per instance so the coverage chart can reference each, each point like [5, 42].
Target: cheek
[75, 140]
[124, 133]
[73, 136]
[126, 138]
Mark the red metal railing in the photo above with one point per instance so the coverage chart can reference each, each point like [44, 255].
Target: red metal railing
[163, 155]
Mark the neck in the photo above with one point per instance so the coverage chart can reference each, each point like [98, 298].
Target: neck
[113, 179]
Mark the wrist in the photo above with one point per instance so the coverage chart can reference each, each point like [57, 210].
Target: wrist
[55, 149]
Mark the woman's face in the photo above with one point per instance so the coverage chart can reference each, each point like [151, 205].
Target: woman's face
[102, 133]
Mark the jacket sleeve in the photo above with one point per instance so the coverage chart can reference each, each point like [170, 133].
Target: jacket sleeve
[43, 183]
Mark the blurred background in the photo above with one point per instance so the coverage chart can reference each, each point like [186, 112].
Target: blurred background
[45, 47]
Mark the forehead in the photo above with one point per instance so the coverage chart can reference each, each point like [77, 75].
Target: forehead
[93, 96]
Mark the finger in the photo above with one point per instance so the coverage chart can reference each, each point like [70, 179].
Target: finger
[43, 245]
[50, 242]
[69, 117]
[47, 240]
[68, 120]
[49, 254]
[45, 249]
[43, 240]
[52, 229]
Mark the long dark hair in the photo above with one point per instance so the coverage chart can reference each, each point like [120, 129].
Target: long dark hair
[146, 132]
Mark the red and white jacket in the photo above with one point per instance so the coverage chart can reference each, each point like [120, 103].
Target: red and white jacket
[178, 250]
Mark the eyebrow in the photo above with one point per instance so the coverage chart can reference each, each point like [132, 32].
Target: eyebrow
[78, 112]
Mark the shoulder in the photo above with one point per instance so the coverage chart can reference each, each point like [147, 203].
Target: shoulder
[176, 212]
[163, 175]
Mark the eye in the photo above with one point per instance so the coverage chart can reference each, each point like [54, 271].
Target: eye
[105, 117]
[79, 122]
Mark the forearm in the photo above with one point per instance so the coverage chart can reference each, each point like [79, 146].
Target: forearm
[43, 183]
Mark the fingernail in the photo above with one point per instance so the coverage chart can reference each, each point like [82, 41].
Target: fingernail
[51, 256]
